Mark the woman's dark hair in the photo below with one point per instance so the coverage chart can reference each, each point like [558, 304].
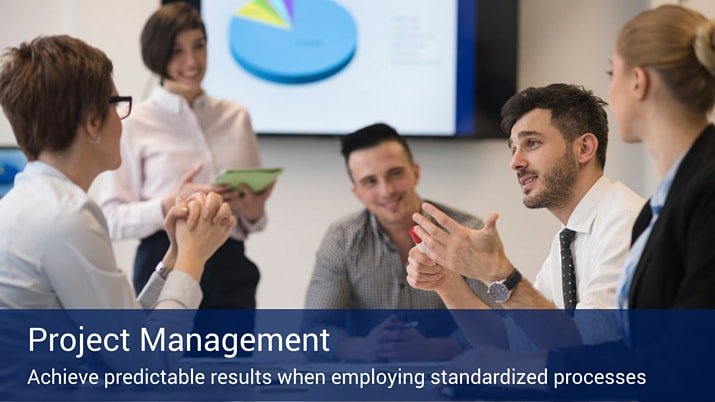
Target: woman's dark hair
[160, 31]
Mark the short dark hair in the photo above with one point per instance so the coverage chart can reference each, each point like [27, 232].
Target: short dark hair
[49, 87]
[574, 111]
[370, 136]
[160, 31]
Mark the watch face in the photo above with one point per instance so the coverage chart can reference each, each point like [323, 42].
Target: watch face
[499, 292]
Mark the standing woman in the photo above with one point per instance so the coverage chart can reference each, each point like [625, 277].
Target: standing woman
[662, 90]
[175, 143]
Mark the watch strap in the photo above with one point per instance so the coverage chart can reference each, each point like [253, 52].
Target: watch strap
[513, 279]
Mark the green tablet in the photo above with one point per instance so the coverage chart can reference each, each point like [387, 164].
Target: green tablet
[256, 179]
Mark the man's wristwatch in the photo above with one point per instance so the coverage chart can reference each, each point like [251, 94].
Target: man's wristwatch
[501, 290]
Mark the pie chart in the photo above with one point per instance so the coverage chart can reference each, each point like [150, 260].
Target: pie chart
[292, 41]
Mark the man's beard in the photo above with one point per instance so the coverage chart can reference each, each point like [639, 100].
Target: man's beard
[557, 184]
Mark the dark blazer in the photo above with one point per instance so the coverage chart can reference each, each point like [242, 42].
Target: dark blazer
[677, 268]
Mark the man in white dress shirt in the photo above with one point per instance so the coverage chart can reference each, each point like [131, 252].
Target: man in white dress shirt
[558, 138]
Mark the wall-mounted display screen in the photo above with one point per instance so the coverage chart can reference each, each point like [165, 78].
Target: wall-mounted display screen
[438, 68]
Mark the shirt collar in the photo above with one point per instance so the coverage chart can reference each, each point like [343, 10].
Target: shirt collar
[582, 217]
[174, 103]
[661, 193]
[43, 169]
[377, 230]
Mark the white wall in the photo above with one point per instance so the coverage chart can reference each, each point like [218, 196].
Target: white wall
[113, 26]
[560, 41]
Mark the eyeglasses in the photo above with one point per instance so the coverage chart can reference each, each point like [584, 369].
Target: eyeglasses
[123, 105]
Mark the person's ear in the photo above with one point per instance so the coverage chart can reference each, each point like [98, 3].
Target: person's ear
[641, 82]
[92, 126]
[416, 169]
[353, 188]
[587, 145]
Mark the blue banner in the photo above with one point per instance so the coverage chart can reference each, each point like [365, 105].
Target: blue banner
[63, 355]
